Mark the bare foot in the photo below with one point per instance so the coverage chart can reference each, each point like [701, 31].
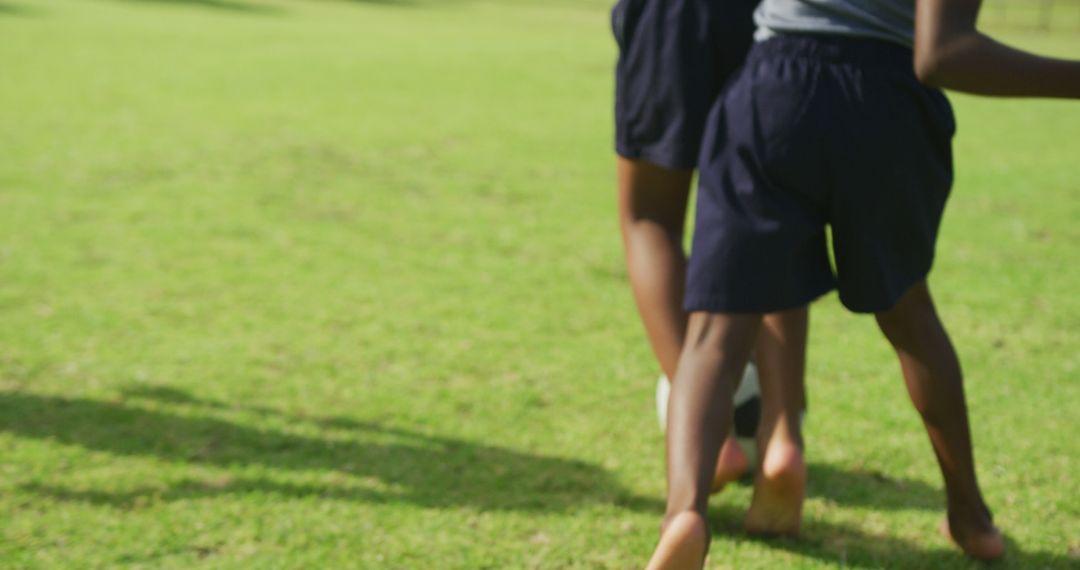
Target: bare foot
[731, 465]
[683, 544]
[981, 542]
[779, 489]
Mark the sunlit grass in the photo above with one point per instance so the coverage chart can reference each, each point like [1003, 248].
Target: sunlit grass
[337, 284]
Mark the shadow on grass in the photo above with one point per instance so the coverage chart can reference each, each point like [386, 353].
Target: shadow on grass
[860, 487]
[869, 488]
[352, 460]
[404, 3]
[16, 10]
[254, 7]
[427, 470]
[846, 546]
[225, 5]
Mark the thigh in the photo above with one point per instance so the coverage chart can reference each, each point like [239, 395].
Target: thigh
[889, 201]
[759, 239]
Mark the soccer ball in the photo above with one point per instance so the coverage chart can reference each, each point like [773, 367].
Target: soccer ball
[747, 408]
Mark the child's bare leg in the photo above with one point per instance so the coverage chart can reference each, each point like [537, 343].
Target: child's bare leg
[652, 214]
[780, 482]
[717, 349]
[935, 384]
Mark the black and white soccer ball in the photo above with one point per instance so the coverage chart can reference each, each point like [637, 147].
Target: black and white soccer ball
[747, 408]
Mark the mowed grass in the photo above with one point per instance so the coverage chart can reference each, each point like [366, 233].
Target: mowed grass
[338, 284]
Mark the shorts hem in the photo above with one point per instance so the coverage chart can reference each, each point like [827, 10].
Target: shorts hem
[723, 304]
[891, 299]
[673, 161]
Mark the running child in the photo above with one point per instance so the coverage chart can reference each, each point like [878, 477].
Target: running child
[836, 119]
[675, 55]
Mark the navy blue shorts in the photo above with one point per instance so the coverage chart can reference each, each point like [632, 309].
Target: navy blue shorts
[674, 56]
[820, 131]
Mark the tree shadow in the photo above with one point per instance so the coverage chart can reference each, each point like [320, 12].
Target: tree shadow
[429, 467]
[407, 3]
[361, 461]
[403, 3]
[224, 5]
[860, 487]
[253, 7]
[846, 546]
[355, 460]
[871, 488]
[7, 9]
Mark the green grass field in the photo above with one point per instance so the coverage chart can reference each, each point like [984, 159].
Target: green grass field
[338, 284]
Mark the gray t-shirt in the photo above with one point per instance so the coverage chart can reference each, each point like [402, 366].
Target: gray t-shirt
[892, 20]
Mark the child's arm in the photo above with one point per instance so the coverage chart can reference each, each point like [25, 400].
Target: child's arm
[951, 53]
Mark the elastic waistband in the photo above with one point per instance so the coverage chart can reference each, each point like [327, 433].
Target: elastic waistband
[834, 49]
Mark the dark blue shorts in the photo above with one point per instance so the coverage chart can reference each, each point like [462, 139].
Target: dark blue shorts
[820, 131]
[674, 56]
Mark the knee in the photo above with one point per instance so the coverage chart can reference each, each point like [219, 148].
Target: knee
[648, 218]
[651, 195]
[726, 338]
[912, 318]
